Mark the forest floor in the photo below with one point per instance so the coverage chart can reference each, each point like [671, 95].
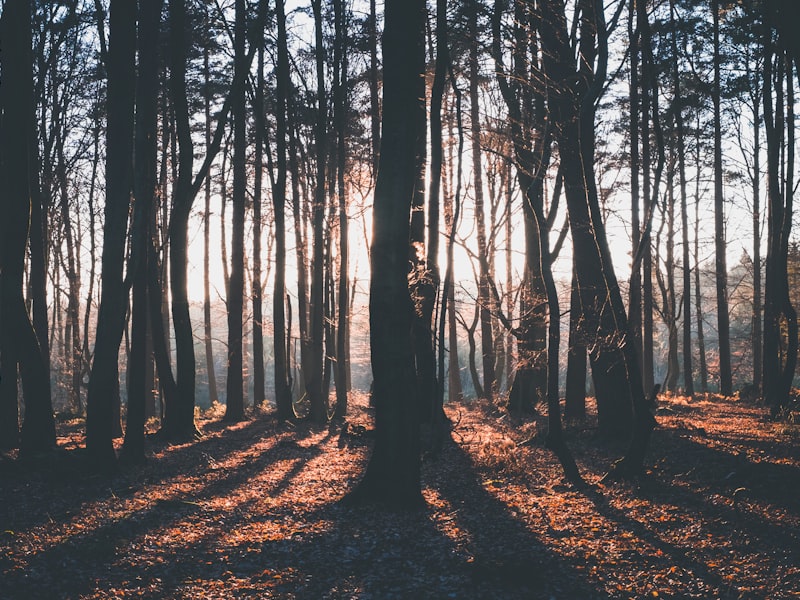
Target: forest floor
[252, 511]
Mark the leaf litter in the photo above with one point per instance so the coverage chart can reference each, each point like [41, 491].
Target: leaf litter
[253, 511]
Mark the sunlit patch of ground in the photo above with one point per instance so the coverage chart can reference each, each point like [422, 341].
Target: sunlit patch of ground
[252, 511]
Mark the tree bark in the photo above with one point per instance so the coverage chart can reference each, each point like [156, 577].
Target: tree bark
[257, 286]
[314, 378]
[145, 186]
[213, 394]
[104, 378]
[283, 392]
[688, 372]
[720, 246]
[340, 110]
[393, 473]
[484, 299]
[234, 402]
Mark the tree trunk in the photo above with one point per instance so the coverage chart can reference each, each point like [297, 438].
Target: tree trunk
[178, 423]
[18, 340]
[780, 318]
[213, 394]
[104, 379]
[720, 246]
[636, 108]
[698, 294]
[314, 378]
[145, 188]
[688, 375]
[234, 403]
[374, 106]
[283, 392]
[393, 473]
[575, 394]
[484, 300]
[340, 110]
[257, 286]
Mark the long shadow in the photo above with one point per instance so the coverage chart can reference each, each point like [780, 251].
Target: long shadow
[719, 502]
[731, 474]
[334, 551]
[52, 482]
[101, 541]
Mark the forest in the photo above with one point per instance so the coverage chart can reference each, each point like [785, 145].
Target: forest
[400, 299]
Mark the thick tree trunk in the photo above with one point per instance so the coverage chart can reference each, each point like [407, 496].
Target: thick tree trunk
[575, 394]
[780, 318]
[178, 423]
[104, 381]
[18, 340]
[393, 473]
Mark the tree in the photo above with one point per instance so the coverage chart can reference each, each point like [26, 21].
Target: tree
[234, 403]
[572, 108]
[686, 303]
[485, 303]
[19, 345]
[780, 317]
[314, 379]
[392, 475]
[720, 246]
[283, 392]
[145, 183]
[525, 100]
[340, 111]
[103, 381]
[178, 423]
[257, 286]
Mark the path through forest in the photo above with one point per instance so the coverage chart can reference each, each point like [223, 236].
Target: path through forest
[251, 511]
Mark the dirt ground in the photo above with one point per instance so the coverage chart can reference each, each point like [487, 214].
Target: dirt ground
[252, 511]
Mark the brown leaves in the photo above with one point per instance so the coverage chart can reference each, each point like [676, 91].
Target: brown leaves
[252, 511]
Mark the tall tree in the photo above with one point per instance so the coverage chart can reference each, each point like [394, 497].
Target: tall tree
[234, 403]
[145, 185]
[525, 100]
[572, 108]
[178, 423]
[686, 302]
[484, 300]
[257, 285]
[393, 473]
[213, 395]
[283, 392]
[104, 378]
[19, 344]
[340, 111]
[720, 245]
[314, 379]
[780, 317]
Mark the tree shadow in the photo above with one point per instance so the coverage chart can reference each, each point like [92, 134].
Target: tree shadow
[464, 544]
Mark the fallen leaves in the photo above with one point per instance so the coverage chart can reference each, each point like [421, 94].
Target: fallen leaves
[252, 511]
